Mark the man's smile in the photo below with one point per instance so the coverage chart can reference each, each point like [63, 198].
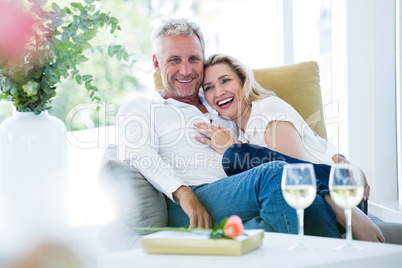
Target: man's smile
[185, 81]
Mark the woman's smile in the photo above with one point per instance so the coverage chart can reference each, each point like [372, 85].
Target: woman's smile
[225, 103]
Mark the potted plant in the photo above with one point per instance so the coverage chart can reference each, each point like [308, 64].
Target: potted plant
[40, 46]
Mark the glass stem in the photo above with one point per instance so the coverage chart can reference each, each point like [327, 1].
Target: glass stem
[348, 215]
[300, 217]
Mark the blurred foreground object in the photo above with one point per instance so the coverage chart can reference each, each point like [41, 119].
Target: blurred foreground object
[15, 32]
[48, 255]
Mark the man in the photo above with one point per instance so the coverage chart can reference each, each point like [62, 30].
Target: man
[157, 138]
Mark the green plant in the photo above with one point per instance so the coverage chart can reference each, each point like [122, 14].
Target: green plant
[58, 43]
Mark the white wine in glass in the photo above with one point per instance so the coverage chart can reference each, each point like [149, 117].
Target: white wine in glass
[299, 190]
[346, 185]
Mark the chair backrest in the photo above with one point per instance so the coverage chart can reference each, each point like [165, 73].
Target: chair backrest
[297, 84]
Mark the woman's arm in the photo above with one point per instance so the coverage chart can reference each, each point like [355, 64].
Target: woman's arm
[338, 158]
[282, 136]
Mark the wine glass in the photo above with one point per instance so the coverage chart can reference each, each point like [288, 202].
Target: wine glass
[299, 190]
[346, 185]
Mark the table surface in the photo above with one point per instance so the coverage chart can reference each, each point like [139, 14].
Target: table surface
[273, 253]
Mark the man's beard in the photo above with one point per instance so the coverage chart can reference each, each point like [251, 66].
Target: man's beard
[173, 90]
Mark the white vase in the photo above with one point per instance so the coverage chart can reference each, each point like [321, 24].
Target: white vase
[34, 174]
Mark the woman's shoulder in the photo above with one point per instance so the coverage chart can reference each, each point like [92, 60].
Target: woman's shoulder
[273, 104]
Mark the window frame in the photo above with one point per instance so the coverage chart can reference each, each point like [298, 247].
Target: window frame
[365, 68]
[398, 51]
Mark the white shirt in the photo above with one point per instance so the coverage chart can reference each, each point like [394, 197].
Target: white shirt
[316, 149]
[156, 137]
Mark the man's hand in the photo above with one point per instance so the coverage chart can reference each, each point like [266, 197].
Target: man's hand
[199, 216]
[218, 139]
[341, 159]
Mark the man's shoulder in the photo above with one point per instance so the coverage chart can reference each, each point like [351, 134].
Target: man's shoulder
[139, 100]
[137, 104]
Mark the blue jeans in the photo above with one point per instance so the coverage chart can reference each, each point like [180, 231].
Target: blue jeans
[256, 197]
[242, 157]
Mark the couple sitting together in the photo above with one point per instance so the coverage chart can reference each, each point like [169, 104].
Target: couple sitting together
[215, 142]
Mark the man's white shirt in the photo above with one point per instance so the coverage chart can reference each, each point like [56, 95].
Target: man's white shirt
[156, 136]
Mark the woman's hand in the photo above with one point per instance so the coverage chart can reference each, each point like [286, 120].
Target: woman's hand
[341, 159]
[218, 138]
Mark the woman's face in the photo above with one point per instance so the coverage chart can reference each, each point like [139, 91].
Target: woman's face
[223, 91]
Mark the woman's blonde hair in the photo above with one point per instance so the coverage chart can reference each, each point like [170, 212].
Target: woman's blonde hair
[252, 91]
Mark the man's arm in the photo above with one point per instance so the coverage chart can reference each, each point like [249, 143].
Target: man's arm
[199, 216]
[138, 144]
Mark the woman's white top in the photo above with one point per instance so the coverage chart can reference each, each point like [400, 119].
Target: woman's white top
[316, 149]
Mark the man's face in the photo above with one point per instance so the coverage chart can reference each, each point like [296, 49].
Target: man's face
[180, 65]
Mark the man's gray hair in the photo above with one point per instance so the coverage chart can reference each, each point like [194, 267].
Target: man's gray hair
[176, 26]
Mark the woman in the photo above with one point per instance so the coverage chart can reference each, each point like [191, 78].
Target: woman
[264, 119]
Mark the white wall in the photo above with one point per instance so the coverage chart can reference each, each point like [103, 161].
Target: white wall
[369, 78]
[399, 90]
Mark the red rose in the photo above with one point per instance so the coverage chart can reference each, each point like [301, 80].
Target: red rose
[233, 227]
